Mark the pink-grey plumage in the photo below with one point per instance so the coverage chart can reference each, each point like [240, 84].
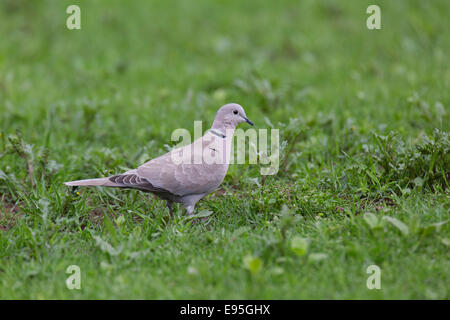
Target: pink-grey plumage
[184, 183]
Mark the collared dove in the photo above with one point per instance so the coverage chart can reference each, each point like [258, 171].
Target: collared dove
[174, 179]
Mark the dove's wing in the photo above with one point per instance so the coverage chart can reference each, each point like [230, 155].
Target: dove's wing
[181, 179]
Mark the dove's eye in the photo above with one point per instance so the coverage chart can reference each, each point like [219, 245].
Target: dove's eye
[235, 112]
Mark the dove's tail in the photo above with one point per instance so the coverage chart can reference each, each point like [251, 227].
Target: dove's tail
[105, 182]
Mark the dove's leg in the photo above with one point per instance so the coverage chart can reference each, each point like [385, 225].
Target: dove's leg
[189, 202]
[169, 205]
[190, 210]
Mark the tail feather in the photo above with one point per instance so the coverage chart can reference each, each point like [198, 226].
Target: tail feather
[105, 182]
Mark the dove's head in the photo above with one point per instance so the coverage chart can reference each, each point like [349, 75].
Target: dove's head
[229, 116]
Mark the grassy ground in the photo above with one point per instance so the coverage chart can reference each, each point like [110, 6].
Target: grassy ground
[363, 179]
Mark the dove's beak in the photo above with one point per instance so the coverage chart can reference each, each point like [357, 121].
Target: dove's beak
[248, 121]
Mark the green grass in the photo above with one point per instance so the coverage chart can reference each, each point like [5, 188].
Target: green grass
[364, 174]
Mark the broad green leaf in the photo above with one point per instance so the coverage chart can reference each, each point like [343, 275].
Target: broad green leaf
[240, 231]
[106, 247]
[371, 220]
[315, 257]
[120, 220]
[109, 226]
[418, 182]
[137, 231]
[438, 225]
[278, 270]
[398, 224]
[201, 214]
[106, 266]
[253, 264]
[192, 270]
[435, 227]
[299, 245]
